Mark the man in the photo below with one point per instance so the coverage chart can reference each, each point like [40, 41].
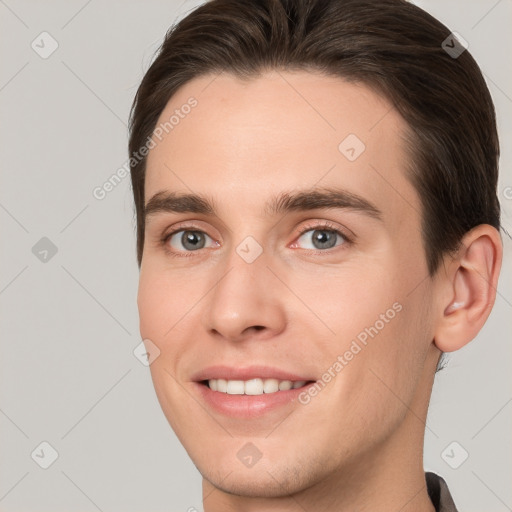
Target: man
[315, 188]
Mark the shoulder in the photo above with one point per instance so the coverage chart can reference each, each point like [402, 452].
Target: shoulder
[439, 493]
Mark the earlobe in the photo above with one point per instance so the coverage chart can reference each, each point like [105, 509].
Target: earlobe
[472, 278]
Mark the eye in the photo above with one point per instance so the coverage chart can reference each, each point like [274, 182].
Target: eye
[186, 240]
[322, 237]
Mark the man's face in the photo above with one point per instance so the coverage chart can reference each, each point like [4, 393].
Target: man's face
[334, 299]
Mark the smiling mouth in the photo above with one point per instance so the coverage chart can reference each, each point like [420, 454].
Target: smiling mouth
[253, 387]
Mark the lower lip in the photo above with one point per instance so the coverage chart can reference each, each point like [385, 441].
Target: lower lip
[248, 406]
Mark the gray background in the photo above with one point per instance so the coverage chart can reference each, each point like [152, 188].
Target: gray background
[70, 324]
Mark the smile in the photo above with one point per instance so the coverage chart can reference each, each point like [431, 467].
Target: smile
[249, 392]
[257, 386]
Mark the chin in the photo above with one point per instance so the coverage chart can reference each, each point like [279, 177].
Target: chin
[254, 482]
[268, 478]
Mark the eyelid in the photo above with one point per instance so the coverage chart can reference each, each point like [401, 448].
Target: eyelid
[310, 226]
[183, 226]
[327, 226]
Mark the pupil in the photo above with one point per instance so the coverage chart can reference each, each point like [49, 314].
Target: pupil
[191, 237]
[325, 238]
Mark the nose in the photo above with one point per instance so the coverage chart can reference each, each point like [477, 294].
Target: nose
[245, 302]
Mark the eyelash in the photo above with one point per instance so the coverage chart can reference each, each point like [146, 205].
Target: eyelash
[326, 226]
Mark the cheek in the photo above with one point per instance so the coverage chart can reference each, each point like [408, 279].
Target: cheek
[392, 367]
[352, 302]
[151, 299]
[159, 314]
[381, 331]
[160, 301]
[166, 311]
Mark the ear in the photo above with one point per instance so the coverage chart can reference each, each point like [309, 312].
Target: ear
[468, 288]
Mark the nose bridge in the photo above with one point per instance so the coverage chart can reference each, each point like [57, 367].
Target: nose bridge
[246, 265]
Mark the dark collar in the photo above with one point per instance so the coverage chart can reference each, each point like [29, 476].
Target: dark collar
[439, 493]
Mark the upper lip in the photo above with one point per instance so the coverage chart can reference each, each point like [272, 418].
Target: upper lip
[247, 373]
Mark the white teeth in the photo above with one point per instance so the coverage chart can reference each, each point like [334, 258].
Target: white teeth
[253, 386]
[236, 387]
[270, 385]
[285, 385]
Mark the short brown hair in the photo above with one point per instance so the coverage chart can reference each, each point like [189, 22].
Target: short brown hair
[392, 46]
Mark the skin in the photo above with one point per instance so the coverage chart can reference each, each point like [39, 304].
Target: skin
[357, 444]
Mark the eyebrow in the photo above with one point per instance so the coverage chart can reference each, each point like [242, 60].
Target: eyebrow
[296, 200]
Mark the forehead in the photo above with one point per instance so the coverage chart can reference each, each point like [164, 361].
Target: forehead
[244, 141]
